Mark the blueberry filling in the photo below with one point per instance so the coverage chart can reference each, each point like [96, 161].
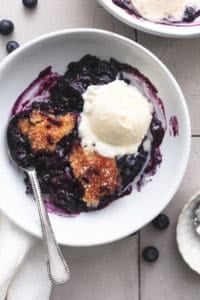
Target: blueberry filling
[190, 14]
[62, 97]
[131, 165]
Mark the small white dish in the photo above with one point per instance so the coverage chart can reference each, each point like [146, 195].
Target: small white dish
[186, 30]
[188, 240]
[130, 213]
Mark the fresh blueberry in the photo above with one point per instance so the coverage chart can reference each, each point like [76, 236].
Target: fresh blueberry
[150, 254]
[161, 222]
[6, 27]
[11, 46]
[29, 3]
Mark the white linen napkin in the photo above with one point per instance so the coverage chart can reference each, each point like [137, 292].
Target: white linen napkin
[23, 273]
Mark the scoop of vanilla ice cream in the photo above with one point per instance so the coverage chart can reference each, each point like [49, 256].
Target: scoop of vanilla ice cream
[156, 10]
[115, 118]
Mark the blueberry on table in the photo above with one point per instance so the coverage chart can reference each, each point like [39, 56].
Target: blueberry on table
[6, 27]
[29, 3]
[161, 222]
[150, 254]
[11, 46]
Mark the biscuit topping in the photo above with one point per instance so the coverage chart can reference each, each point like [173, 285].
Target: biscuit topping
[98, 175]
[46, 130]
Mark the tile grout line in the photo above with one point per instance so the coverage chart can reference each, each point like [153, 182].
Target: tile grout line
[195, 135]
[136, 35]
[113, 24]
[139, 267]
[95, 14]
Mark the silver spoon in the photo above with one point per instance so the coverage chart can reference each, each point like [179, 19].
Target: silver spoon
[57, 267]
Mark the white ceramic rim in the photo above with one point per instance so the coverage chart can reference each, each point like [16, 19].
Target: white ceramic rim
[181, 172]
[187, 31]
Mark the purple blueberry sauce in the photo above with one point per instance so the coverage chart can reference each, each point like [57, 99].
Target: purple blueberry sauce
[190, 14]
[62, 94]
[37, 91]
[173, 126]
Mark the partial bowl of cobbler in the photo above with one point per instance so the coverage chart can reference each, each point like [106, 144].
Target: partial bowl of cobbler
[103, 122]
[168, 18]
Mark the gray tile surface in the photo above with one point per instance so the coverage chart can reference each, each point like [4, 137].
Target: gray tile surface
[104, 272]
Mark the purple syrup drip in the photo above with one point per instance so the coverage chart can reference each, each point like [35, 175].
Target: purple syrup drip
[129, 8]
[38, 88]
[174, 126]
[50, 206]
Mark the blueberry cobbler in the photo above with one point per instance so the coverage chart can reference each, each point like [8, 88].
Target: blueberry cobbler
[163, 11]
[93, 134]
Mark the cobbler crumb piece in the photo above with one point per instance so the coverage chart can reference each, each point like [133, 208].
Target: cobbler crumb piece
[45, 131]
[99, 175]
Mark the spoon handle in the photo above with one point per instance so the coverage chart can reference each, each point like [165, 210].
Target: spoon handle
[57, 268]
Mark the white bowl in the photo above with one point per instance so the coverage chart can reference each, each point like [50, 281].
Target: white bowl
[176, 31]
[125, 215]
